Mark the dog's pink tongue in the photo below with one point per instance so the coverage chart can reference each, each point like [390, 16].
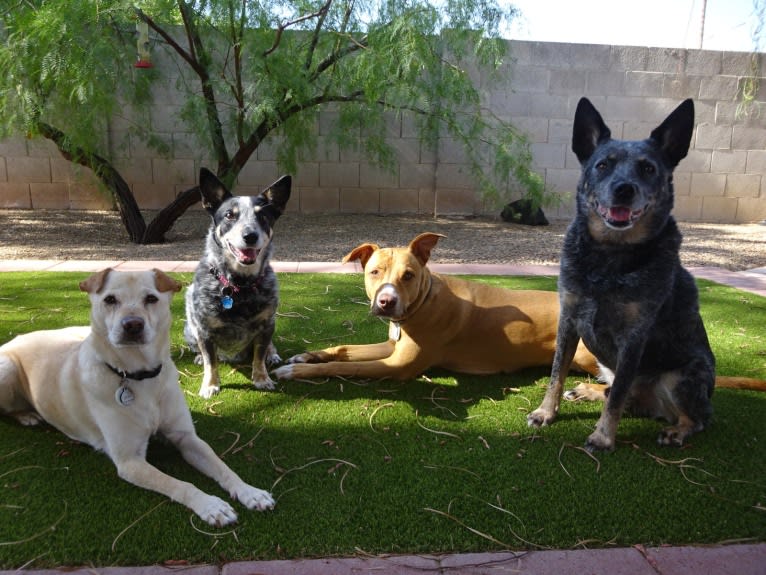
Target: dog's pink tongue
[248, 255]
[619, 214]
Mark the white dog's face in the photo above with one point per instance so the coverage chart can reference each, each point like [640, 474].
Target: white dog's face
[130, 308]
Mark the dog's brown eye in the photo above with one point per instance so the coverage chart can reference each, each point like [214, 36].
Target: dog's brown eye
[151, 298]
[374, 272]
[110, 300]
[601, 166]
[230, 215]
[406, 276]
[648, 169]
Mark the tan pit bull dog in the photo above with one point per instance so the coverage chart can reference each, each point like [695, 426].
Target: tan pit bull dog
[440, 321]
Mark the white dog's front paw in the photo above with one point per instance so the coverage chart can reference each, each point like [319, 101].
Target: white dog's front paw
[29, 418]
[216, 511]
[254, 498]
[284, 372]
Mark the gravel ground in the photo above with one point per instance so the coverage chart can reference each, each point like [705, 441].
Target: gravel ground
[76, 235]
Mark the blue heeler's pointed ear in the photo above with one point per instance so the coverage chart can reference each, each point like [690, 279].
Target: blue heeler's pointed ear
[589, 130]
[675, 133]
[213, 192]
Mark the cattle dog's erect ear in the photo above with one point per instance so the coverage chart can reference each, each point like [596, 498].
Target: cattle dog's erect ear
[164, 282]
[675, 133]
[589, 130]
[277, 195]
[95, 283]
[362, 252]
[214, 193]
[422, 245]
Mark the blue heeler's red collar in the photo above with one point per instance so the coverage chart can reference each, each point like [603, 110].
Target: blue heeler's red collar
[226, 283]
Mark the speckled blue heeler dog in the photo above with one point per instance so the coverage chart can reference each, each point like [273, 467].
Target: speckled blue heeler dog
[623, 289]
[232, 302]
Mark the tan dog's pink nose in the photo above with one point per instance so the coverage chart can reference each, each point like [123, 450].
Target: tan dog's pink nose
[386, 301]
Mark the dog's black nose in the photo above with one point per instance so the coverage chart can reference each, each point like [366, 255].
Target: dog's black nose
[250, 238]
[133, 325]
[624, 193]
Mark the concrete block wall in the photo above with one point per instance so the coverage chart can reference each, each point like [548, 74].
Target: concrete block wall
[723, 179]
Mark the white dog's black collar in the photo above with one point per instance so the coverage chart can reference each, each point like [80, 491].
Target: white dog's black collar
[137, 375]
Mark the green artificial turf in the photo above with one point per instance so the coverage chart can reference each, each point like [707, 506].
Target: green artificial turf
[443, 463]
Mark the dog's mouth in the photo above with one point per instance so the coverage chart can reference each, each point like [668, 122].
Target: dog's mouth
[245, 256]
[619, 217]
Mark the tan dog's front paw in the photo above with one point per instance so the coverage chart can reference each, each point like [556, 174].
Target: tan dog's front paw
[284, 372]
[208, 391]
[540, 417]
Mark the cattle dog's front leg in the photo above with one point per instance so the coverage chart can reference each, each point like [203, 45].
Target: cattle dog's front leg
[211, 381]
[604, 436]
[264, 353]
[567, 341]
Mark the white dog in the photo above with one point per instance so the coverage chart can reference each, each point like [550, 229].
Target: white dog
[113, 384]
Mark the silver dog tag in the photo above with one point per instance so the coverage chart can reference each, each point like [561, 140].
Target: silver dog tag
[394, 331]
[124, 396]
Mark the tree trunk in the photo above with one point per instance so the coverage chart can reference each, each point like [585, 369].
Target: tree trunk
[163, 222]
[119, 189]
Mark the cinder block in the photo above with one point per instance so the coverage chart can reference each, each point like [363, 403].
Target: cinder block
[153, 196]
[703, 62]
[666, 60]
[172, 172]
[319, 200]
[402, 201]
[28, 170]
[53, 196]
[454, 176]
[751, 210]
[136, 171]
[360, 200]
[307, 175]
[746, 138]
[333, 175]
[259, 174]
[711, 137]
[15, 195]
[608, 83]
[718, 88]
[756, 162]
[712, 185]
[688, 208]
[14, 147]
[743, 185]
[417, 176]
[427, 201]
[89, 197]
[374, 177]
[567, 81]
[682, 183]
[679, 87]
[719, 209]
[455, 201]
[548, 155]
[644, 83]
[729, 161]
[530, 79]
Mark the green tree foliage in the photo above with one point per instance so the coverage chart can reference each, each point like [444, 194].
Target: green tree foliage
[257, 70]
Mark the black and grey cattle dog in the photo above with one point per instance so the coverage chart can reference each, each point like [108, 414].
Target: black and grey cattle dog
[623, 289]
[232, 301]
